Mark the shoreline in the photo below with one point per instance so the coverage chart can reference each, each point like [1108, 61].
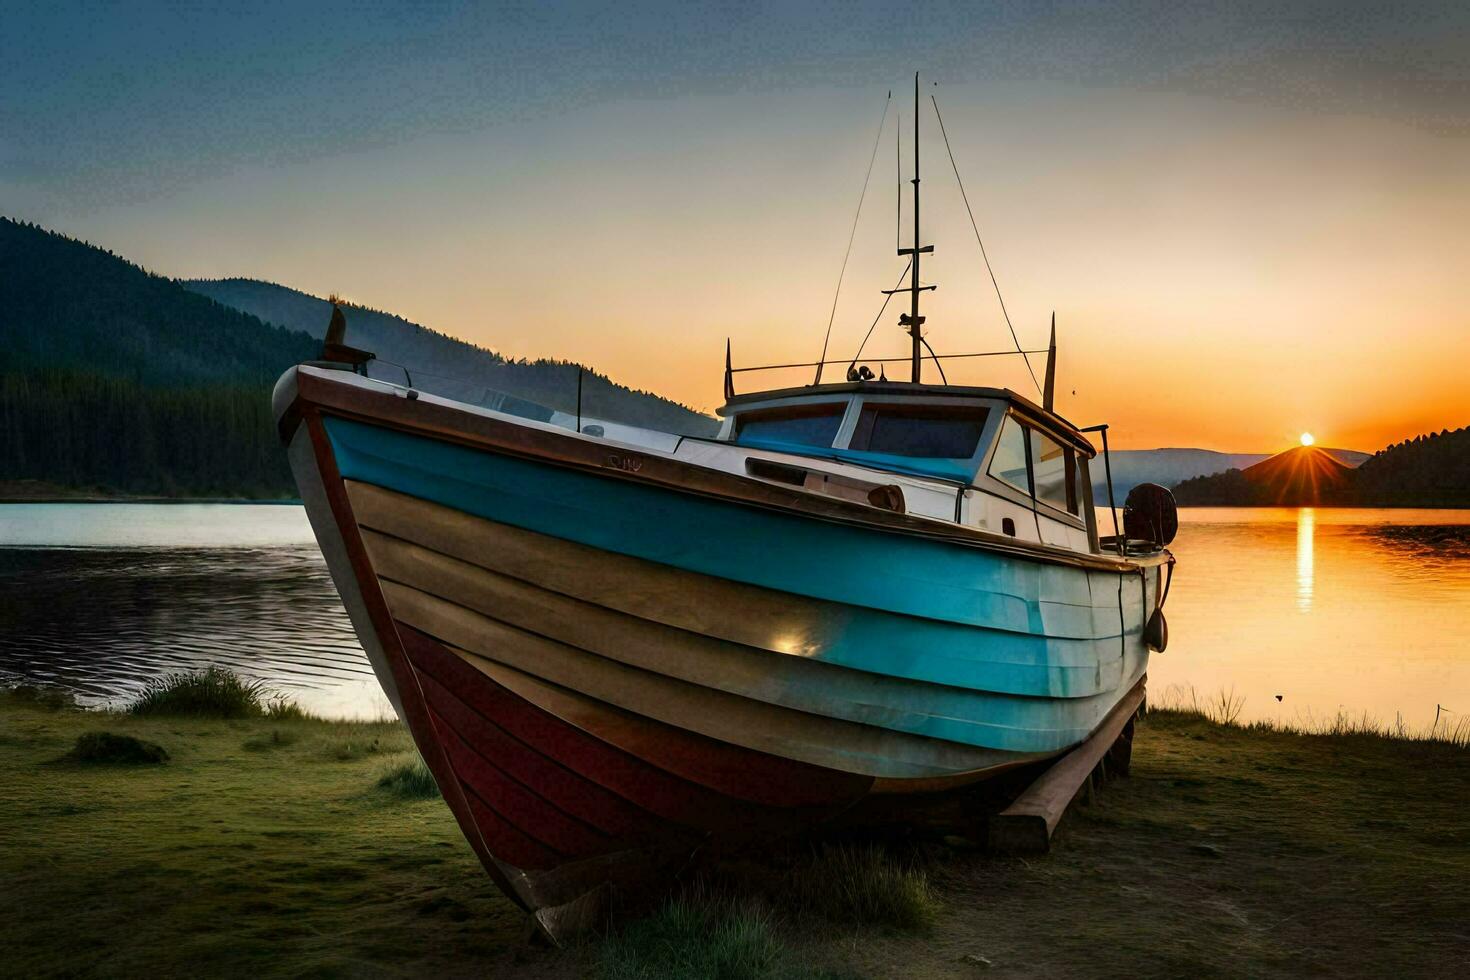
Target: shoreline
[104, 499]
[150, 500]
[1231, 850]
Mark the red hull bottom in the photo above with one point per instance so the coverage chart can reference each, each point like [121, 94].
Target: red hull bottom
[561, 817]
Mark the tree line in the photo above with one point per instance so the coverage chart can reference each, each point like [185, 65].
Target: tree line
[1430, 470]
[118, 380]
[86, 430]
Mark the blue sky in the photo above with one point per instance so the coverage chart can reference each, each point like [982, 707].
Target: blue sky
[1223, 194]
[107, 101]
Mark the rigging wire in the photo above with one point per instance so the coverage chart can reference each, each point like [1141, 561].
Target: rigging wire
[981, 243]
[898, 182]
[937, 362]
[852, 235]
[886, 300]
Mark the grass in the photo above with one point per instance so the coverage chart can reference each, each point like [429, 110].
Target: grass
[265, 847]
[1225, 707]
[411, 780]
[210, 693]
[213, 692]
[46, 698]
[747, 919]
[694, 937]
[276, 738]
[863, 885]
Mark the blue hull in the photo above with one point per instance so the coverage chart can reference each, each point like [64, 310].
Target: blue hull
[977, 647]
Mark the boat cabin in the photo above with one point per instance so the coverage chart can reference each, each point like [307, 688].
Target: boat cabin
[984, 457]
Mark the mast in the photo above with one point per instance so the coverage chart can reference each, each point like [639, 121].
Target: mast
[917, 325]
[912, 319]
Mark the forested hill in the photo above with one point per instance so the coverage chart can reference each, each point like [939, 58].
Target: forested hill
[445, 365]
[65, 304]
[116, 380]
[1430, 470]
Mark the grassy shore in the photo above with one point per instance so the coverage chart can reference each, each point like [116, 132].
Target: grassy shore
[280, 845]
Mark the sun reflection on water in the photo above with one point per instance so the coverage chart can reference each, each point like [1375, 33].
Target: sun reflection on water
[1306, 526]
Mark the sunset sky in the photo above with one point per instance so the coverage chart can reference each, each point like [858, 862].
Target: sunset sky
[1249, 224]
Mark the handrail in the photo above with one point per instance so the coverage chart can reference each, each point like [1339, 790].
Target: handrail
[885, 360]
[1108, 469]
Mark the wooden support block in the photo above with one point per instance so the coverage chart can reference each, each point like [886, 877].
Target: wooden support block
[1120, 756]
[1026, 826]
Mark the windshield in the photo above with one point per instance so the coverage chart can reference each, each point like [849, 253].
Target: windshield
[931, 431]
[803, 425]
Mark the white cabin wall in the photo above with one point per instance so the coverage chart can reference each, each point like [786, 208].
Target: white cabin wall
[989, 512]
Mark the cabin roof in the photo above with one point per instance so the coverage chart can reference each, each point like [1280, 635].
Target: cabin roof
[1023, 405]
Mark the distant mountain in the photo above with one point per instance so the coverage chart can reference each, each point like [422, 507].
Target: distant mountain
[1168, 467]
[117, 380]
[445, 365]
[1427, 471]
[1165, 467]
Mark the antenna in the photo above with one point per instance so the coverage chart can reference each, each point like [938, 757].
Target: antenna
[1049, 393]
[912, 319]
[729, 373]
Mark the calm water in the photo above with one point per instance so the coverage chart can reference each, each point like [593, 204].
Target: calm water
[1356, 610]
[101, 598]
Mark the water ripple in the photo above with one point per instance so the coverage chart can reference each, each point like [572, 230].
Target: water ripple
[103, 622]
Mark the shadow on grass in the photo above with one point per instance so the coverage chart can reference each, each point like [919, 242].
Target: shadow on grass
[106, 748]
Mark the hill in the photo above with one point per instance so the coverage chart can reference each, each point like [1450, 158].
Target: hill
[1431, 470]
[1165, 467]
[1168, 467]
[119, 380]
[446, 365]
[1428, 471]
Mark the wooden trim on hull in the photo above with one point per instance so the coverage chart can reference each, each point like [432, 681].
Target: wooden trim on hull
[528, 615]
[518, 438]
[823, 741]
[753, 616]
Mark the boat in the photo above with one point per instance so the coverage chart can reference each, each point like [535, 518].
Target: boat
[614, 646]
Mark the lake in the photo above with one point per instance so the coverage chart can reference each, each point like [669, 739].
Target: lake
[1360, 611]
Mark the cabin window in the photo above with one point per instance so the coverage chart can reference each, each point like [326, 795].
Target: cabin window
[1009, 461]
[1053, 472]
[933, 431]
[803, 425]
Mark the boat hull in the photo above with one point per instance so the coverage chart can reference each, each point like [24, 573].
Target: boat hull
[604, 670]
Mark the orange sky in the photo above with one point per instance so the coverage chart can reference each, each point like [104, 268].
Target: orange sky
[1225, 274]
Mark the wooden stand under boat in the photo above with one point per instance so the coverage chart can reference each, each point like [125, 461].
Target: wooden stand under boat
[1027, 825]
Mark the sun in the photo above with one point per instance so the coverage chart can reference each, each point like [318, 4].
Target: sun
[1307, 439]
